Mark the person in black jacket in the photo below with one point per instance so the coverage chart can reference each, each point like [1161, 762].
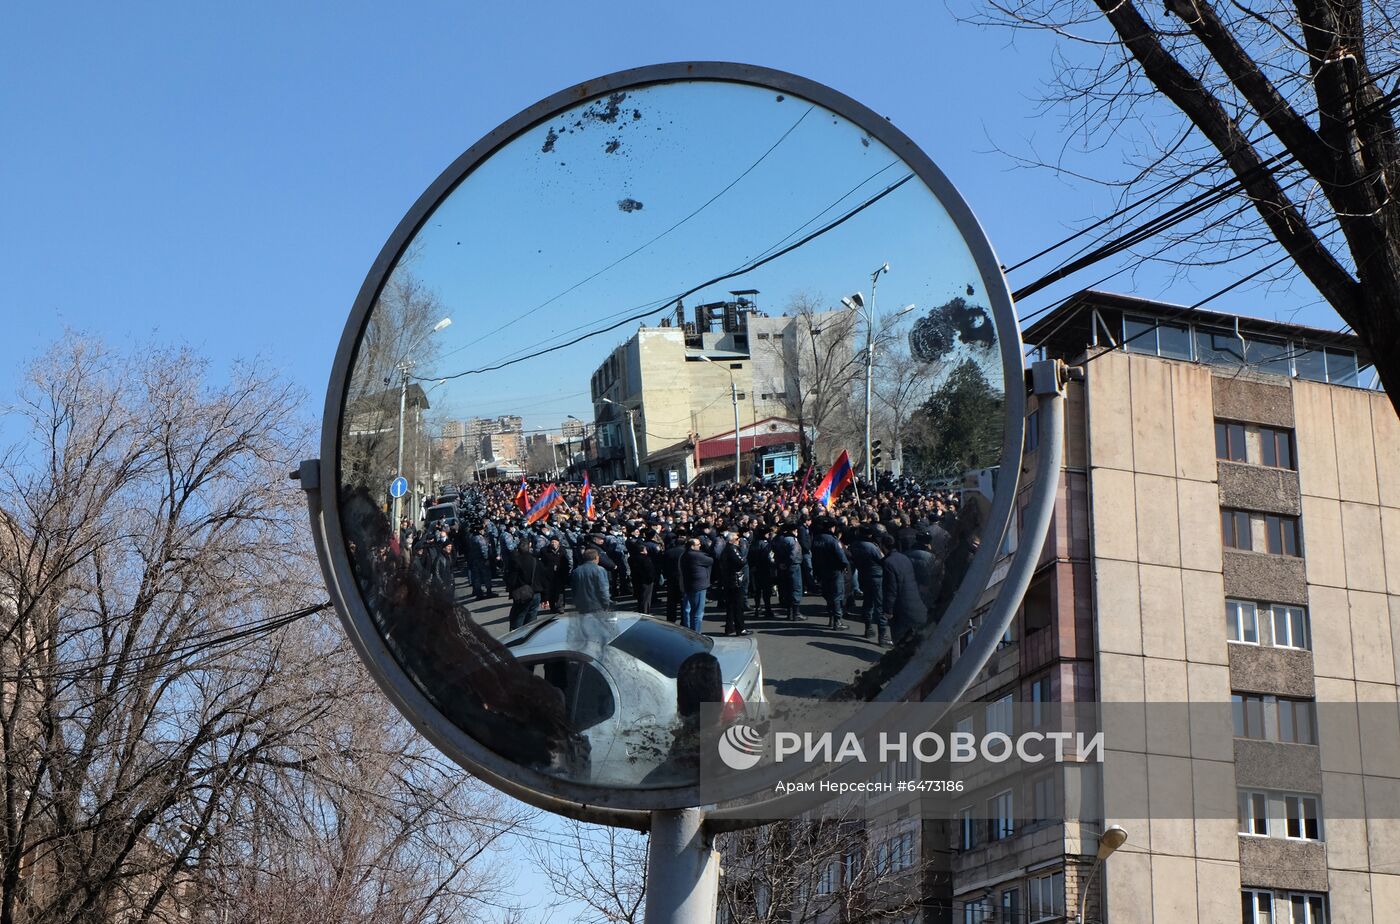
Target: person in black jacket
[671, 569]
[761, 573]
[643, 566]
[524, 577]
[903, 601]
[869, 561]
[735, 562]
[829, 561]
[555, 562]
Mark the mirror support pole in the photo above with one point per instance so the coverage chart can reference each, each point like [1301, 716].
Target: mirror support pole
[1048, 378]
[682, 869]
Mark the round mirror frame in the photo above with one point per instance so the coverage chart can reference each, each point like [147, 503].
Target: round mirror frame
[603, 804]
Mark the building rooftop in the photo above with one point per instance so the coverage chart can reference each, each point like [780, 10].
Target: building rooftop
[1092, 319]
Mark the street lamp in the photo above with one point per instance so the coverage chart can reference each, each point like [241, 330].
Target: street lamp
[632, 430]
[404, 365]
[856, 302]
[734, 397]
[1110, 840]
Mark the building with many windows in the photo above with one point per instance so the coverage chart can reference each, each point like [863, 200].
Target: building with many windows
[1222, 574]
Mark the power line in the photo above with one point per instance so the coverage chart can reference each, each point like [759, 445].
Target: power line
[658, 303]
[644, 246]
[1215, 163]
[830, 226]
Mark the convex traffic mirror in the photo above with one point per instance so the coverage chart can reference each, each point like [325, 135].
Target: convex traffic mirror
[601, 425]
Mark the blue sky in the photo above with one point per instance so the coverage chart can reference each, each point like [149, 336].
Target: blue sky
[223, 176]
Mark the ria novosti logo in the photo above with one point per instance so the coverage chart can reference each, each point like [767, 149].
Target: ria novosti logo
[741, 747]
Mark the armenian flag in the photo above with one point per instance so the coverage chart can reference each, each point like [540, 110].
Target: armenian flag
[545, 503]
[522, 496]
[838, 478]
[588, 510]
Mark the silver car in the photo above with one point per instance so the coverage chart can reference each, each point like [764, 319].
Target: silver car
[617, 673]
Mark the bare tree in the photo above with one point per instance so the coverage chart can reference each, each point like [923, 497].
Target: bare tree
[901, 384]
[818, 369]
[1279, 106]
[180, 734]
[603, 870]
[837, 868]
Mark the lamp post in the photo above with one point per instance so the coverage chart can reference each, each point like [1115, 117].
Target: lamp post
[404, 365]
[632, 431]
[1110, 840]
[734, 398]
[856, 302]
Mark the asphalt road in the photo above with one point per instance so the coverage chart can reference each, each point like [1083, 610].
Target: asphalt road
[802, 661]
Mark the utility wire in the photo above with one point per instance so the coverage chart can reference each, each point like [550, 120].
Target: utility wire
[644, 246]
[787, 237]
[1215, 163]
[647, 312]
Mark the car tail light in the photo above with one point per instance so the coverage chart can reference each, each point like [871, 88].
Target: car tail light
[733, 706]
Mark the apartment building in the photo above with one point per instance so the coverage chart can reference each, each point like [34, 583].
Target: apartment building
[1222, 574]
[666, 399]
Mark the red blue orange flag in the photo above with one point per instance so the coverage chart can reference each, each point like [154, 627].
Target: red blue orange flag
[838, 478]
[545, 503]
[522, 497]
[588, 511]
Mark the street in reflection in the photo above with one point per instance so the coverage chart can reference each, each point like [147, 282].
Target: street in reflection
[690, 394]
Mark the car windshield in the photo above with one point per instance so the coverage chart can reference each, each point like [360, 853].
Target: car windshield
[660, 646]
[444, 512]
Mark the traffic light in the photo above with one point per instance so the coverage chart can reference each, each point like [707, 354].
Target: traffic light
[875, 455]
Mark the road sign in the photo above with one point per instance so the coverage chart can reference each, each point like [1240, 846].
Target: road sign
[398, 487]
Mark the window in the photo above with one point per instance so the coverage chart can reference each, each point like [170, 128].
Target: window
[741, 396]
[1045, 800]
[1258, 907]
[1248, 712]
[1276, 447]
[967, 829]
[1291, 627]
[851, 862]
[1262, 907]
[1032, 431]
[1158, 338]
[1254, 813]
[1001, 818]
[1235, 530]
[1040, 699]
[1307, 908]
[1001, 717]
[1267, 355]
[1283, 535]
[1274, 718]
[1301, 818]
[1242, 621]
[1219, 347]
[895, 854]
[763, 336]
[1139, 335]
[829, 878]
[964, 725]
[977, 911]
[1297, 723]
[1230, 442]
[1011, 905]
[1341, 367]
[1047, 897]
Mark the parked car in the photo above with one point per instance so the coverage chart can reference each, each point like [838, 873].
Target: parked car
[617, 673]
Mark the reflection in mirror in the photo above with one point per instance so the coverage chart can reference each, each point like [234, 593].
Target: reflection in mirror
[605, 435]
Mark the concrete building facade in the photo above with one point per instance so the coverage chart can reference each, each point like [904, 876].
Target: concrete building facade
[1222, 574]
[664, 395]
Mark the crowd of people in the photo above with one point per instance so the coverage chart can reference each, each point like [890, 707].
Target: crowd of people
[886, 555]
